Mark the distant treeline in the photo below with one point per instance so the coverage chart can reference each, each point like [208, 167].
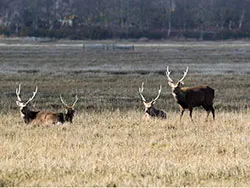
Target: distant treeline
[104, 19]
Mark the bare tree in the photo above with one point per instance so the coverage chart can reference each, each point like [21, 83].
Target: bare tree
[130, 18]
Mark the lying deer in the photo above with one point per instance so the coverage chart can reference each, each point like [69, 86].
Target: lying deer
[36, 117]
[69, 110]
[190, 97]
[43, 117]
[150, 110]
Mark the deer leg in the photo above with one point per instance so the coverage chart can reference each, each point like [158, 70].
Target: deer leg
[163, 114]
[207, 108]
[182, 112]
[212, 109]
[190, 113]
[208, 112]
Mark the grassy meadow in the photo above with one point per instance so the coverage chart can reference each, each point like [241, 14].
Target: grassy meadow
[108, 143]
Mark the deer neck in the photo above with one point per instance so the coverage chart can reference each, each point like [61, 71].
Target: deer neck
[152, 111]
[28, 115]
[69, 115]
[180, 96]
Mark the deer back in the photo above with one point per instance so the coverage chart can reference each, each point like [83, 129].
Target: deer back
[48, 118]
[196, 96]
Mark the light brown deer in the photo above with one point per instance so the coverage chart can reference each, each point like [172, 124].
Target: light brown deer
[36, 117]
[150, 110]
[69, 110]
[190, 97]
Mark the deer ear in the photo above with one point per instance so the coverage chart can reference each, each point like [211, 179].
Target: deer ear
[171, 84]
[180, 83]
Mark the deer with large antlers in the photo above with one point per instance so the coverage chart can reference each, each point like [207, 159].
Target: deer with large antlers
[150, 110]
[36, 117]
[190, 97]
[69, 109]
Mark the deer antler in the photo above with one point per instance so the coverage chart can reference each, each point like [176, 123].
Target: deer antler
[18, 91]
[168, 75]
[159, 92]
[76, 99]
[31, 98]
[185, 74]
[65, 104]
[140, 91]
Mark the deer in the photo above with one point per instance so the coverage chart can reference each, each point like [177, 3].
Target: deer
[150, 110]
[69, 110]
[190, 97]
[36, 117]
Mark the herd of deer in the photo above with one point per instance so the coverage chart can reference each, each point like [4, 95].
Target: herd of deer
[186, 97]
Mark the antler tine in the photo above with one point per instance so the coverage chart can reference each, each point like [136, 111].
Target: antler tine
[168, 75]
[34, 94]
[185, 74]
[18, 91]
[140, 91]
[76, 99]
[63, 102]
[159, 93]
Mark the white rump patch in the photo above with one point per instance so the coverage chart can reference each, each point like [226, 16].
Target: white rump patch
[59, 123]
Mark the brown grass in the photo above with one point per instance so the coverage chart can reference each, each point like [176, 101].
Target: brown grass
[119, 149]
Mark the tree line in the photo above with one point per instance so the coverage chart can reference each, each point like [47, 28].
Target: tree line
[103, 19]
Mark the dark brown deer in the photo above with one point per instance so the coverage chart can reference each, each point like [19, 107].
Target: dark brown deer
[150, 110]
[37, 117]
[190, 97]
[69, 110]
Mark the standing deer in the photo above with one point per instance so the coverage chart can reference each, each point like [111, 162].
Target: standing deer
[69, 110]
[190, 97]
[36, 117]
[150, 110]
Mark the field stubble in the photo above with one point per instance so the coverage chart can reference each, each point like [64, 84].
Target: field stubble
[119, 149]
[108, 143]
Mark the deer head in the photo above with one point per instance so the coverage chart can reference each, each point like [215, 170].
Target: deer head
[152, 102]
[69, 109]
[23, 105]
[25, 111]
[176, 87]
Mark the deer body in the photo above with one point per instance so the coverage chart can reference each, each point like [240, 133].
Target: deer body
[194, 96]
[49, 118]
[190, 97]
[153, 112]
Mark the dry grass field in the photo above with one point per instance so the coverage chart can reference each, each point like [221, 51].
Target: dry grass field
[108, 143]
